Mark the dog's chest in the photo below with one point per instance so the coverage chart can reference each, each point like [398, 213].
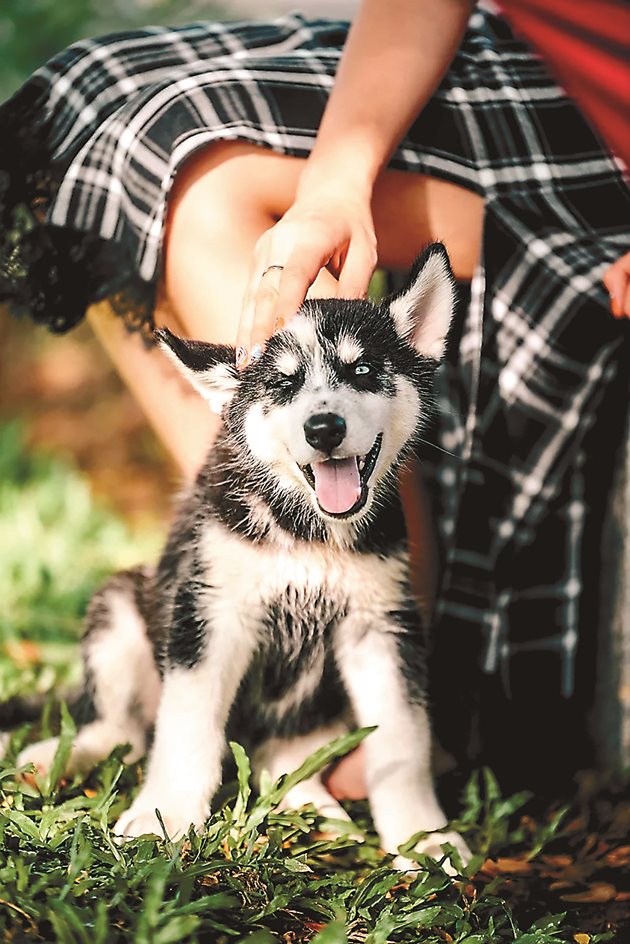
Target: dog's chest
[295, 659]
[299, 587]
[296, 607]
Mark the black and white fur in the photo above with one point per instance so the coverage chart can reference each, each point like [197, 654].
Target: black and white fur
[269, 619]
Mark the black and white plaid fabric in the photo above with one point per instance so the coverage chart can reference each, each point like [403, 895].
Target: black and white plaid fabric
[531, 371]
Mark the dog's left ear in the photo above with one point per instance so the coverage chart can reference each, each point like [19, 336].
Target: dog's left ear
[209, 368]
[423, 309]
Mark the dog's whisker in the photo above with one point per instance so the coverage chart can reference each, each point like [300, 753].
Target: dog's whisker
[427, 442]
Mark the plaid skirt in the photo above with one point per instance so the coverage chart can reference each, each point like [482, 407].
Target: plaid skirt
[91, 144]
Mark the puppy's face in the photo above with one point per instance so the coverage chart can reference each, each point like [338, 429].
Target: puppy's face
[331, 403]
[338, 395]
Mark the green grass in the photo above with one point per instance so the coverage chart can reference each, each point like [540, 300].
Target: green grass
[256, 875]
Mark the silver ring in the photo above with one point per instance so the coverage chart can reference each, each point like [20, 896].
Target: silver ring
[271, 268]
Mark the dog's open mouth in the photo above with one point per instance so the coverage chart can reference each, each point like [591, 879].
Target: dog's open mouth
[341, 485]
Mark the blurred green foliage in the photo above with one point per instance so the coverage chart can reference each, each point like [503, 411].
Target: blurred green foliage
[56, 545]
[31, 31]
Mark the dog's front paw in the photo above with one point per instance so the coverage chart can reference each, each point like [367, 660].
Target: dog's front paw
[141, 820]
[432, 846]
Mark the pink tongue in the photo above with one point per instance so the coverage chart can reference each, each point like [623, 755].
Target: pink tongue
[337, 484]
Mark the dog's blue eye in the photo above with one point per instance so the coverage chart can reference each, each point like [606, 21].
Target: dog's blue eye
[362, 369]
[285, 383]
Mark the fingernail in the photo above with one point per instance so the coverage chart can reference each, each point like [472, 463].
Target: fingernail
[256, 352]
[278, 324]
[241, 356]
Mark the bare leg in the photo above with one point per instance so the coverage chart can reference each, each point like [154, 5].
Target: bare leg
[181, 419]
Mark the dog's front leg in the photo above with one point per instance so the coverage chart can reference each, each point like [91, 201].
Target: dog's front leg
[398, 753]
[184, 769]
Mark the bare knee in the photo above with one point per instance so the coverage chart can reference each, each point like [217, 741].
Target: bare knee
[221, 202]
[411, 210]
[231, 177]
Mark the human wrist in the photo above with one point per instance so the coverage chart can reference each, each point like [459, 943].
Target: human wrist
[341, 170]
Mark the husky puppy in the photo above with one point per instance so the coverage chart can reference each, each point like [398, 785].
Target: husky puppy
[281, 611]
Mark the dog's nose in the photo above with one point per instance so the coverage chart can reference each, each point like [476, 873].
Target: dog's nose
[324, 431]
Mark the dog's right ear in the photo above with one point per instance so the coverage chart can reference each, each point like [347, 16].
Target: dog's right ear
[209, 368]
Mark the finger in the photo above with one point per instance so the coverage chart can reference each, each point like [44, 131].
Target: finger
[294, 286]
[302, 269]
[357, 270]
[625, 308]
[265, 303]
[244, 333]
[260, 314]
[260, 264]
[615, 280]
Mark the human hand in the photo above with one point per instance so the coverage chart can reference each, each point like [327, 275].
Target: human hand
[325, 229]
[617, 281]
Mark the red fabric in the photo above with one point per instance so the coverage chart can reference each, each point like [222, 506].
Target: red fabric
[587, 46]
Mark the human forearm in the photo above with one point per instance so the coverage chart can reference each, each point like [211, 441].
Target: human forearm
[396, 55]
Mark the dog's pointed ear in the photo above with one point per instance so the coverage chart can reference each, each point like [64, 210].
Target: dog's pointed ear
[209, 368]
[423, 309]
